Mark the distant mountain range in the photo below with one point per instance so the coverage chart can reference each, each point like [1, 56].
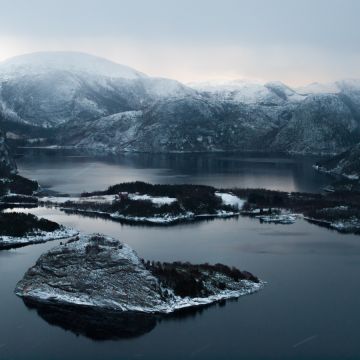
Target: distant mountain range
[84, 101]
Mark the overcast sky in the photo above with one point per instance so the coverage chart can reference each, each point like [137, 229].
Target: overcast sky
[296, 42]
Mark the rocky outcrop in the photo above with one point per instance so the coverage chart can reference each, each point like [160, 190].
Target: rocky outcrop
[100, 272]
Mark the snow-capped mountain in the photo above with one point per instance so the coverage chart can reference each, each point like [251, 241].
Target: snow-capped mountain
[94, 103]
[45, 62]
[249, 92]
[330, 88]
[48, 89]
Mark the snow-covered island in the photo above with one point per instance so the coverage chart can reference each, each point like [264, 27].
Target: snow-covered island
[101, 272]
[139, 202]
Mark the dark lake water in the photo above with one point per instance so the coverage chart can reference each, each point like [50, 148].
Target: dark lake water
[309, 308]
[70, 172]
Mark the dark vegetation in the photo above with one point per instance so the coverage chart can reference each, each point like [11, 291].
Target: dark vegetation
[155, 190]
[328, 207]
[25, 131]
[19, 199]
[145, 208]
[194, 280]
[332, 214]
[19, 224]
[128, 207]
[299, 202]
[344, 184]
[199, 199]
[18, 185]
[202, 200]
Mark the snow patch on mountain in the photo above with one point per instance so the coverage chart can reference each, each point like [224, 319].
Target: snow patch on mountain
[42, 62]
[249, 92]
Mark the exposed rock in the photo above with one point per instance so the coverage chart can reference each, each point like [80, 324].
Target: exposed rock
[101, 272]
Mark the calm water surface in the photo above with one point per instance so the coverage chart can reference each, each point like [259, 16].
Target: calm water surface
[70, 172]
[308, 310]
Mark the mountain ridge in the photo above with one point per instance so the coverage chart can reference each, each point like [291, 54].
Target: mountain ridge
[87, 108]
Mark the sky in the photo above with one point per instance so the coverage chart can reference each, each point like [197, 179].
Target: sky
[297, 42]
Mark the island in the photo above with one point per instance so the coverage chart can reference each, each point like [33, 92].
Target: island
[140, 202]
[155, 204]
[100, 272]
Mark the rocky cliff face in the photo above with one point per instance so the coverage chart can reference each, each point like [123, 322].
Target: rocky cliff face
[7, 164]
[101, 272]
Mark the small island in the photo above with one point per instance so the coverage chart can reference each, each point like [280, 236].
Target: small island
[140, 202]
[100, 272]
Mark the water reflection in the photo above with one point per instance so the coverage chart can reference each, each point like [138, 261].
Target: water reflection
[101, 325]
[66, 170]
[95, 324]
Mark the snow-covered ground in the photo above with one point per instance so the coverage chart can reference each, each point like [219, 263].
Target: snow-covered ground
[104, 199]
[165, 219]
[176, 302]
[7, 242]
[231, 200]
[107, 199]
[227, 199]
[248, 288]
[278, 218]
[158, 200]
[351, 225]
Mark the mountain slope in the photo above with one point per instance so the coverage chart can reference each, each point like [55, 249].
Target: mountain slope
[7, 164]
[45, 62]
[89, 102]
[49, 89]
[346, 164]
[322, 123]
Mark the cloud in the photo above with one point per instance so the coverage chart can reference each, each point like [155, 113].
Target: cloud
[293, 41]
